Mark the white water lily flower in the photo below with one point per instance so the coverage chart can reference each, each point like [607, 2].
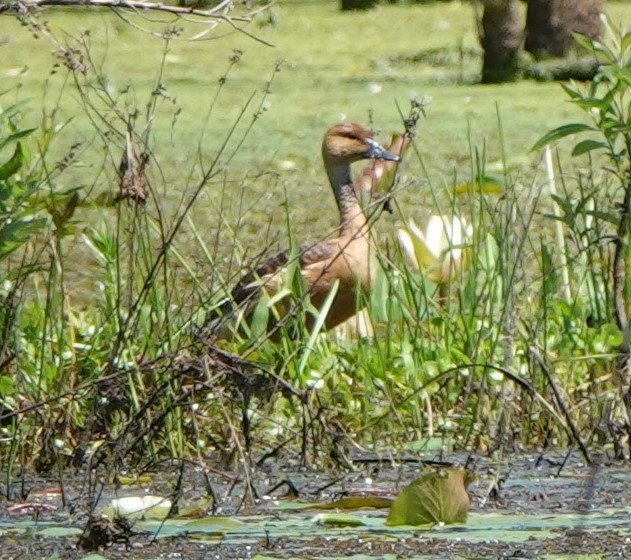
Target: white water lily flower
[134, 505]
[315, 382]
[440, 250]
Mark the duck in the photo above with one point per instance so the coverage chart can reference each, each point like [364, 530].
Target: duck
[343, 260]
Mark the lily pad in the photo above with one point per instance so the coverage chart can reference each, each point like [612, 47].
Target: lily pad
[436, 497]
[356, 502]
[339, 520]
[59, 532]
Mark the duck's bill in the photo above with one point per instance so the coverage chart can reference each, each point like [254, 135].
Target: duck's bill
[376, 151]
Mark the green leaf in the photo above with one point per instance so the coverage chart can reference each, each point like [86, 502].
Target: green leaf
[65, 211]
[260, 316]
[572, 92]
[15, 136]
[600, 50]
[436, 497]
[12, 110]
[14, 234]
[584, 42]
[589, 103]
[12, 166]
[587, 146]
[6, 386]
[560, 132]
[482, 185]
[625, 43]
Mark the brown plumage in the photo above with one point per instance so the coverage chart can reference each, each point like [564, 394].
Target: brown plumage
[344, 258]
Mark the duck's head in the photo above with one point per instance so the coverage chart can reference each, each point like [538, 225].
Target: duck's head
[349, 142]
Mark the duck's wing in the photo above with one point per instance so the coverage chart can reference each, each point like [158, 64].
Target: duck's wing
[265, 274]
[313, 259]
[244, 296]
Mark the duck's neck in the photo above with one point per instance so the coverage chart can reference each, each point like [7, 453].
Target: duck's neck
[352, 218]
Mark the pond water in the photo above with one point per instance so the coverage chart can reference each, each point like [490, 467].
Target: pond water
[545, 506]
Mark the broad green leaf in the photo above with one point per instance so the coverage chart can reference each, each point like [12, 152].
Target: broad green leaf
[436, 497]
[14, 164]
[560, 132]
[587, 146]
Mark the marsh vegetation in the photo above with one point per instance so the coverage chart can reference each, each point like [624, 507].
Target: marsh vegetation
[141, 173]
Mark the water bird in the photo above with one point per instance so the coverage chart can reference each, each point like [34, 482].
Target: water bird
[342, 261]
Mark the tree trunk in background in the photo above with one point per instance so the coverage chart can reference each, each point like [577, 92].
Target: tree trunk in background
[358, 4]
[500, 36]
[550, 24]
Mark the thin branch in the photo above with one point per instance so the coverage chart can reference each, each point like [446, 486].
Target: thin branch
[571, 427]
[218, 13]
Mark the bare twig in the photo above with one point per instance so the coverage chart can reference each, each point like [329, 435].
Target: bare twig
[218, 11]
[217, 14]
[557, 397]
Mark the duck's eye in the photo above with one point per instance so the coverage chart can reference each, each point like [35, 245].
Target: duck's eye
[350, 135]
